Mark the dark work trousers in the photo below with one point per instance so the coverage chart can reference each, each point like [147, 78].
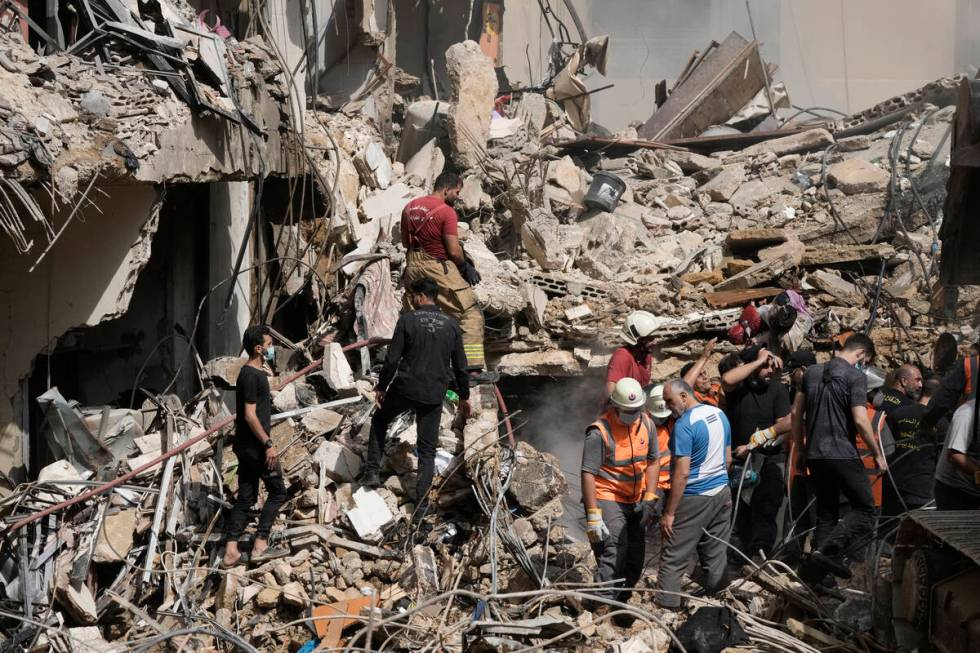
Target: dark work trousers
[951, 498]
[702, 525]
[757, 527]
[621, 554]
[799, 519]
[427, 418]
[829, 479]
[251, 469]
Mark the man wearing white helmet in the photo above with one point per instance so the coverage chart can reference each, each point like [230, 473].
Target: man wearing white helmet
[620, 471]
[633, 361]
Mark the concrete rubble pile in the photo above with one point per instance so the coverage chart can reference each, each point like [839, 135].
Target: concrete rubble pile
[845, 210]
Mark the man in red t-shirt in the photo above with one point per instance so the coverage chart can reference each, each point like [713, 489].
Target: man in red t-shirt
[429, 233]
[634, 359]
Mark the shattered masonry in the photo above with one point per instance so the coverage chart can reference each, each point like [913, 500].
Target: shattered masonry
[163, 112]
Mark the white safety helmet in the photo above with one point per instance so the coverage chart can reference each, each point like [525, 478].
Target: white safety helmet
[628, 394]
[656, 403]
[639, 324]
[875, 377]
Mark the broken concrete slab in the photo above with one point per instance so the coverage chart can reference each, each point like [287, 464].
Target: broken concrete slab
[471, 194]
[116, 537]
[294, 596]
[793, 247]
[692, 162]
[834, 285]
[808, 141]
[426, 164]
[225, 369]
[839, 254]
[854, 143]
[757, 274]
[474, 86]
[576, 313]
[369, 515]
[566, 174]
[338, 372]
[537, 478]
[539, 363]
[753, 239]
[854, 176]
[723, 185]
[337, 461]
[321, 421]
[425, 122]
[374, 167]
[751, 194]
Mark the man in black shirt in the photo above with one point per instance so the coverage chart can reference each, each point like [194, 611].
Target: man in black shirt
[757, 406]
[959, 385]
[426, 346]
[257, 456]
[833, 403]
[913, 463]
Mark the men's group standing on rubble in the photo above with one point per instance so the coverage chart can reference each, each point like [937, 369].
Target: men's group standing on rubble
[777, 455]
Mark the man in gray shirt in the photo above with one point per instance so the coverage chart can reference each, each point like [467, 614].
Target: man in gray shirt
[833, 401]
[956, 484]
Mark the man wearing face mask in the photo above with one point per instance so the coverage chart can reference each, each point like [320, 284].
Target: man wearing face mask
[620, 471]
[257, 456]
[832, 403]
[757, 405]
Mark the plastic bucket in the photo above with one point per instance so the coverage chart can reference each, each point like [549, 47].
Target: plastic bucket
[605, 191]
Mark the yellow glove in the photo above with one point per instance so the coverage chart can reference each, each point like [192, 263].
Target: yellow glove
[762, 437]
[595, 528]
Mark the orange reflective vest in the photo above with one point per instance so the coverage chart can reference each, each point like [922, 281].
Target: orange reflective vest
[625, 449]
[877, 418]
[663, 444]
[711, 398]
[970, 372]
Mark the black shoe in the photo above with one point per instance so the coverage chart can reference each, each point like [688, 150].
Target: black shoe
[371, 479]
[481, 377]
[834, 565]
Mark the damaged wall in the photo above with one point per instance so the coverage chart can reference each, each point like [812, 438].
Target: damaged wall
[650, 41]
[89, 276]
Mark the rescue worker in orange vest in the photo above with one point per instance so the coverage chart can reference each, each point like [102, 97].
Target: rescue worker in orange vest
[879, 427]
[620, 469]
[695, 376]
[959, 385]
[663, 420]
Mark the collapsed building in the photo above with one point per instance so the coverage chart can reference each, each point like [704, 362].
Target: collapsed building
[169, 178]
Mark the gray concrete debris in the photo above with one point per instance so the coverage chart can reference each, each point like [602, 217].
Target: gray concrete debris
[474, 87]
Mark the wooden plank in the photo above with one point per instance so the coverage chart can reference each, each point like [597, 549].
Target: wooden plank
[739, 239]
[726, 298]
[724, 82]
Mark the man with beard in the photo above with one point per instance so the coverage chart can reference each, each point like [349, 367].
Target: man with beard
[757, 406]
[634, 358]
[913, 462]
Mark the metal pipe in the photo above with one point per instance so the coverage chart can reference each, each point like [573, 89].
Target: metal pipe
[173, 452]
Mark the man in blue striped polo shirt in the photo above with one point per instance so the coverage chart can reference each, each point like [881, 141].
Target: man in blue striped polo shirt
[697, 517]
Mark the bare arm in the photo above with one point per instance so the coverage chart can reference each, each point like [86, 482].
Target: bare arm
[588, 491]
[610, 386]
[652, 475]
[863, 424]
[796, 428]
[680, 470]
[695, 371]
[964, 462]
[453, 249]
[252, 419]
[784, 424]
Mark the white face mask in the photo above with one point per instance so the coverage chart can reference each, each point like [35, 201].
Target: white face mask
[628, 417]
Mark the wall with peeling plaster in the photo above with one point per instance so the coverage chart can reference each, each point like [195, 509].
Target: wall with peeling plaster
[88, 277]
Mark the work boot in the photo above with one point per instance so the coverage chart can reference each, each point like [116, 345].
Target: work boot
[833, 564]
[371, 479]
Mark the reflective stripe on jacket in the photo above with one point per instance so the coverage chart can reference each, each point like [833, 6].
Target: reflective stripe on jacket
[970, 372]
[625, 449]
[663, 444]
[877, 418]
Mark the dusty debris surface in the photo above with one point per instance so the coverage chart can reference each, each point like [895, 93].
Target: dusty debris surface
[116, 545]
